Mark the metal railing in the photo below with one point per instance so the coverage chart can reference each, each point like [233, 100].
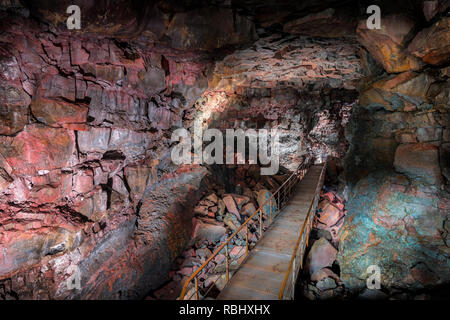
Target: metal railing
[287, 289]
[280, 197]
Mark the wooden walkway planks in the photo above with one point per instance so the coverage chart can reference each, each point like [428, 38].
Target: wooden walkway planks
[261, 274]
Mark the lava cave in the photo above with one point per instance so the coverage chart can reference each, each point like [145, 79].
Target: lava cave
[94, 206]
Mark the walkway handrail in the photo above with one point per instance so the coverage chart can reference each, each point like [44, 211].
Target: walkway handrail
[282, 193]
[301, 241]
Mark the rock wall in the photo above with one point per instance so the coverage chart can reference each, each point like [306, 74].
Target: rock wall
[303, 87]
[396, 171]
[87, 189]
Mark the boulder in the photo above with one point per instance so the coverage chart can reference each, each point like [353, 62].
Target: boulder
[428, 134]
[201, 210]
[321, 255]
[407, 91]
[248, 209]
[231, 205]
[236, 252]
[240, 200]
[203, 253]
[206, 203]
[221, 206]
[329, 213]
[329, 196]
[213, 198]
[418, 161]
[387, 44]
[432, 44]
[207, 231]
[326, 284]
[231, 221]
[263, 196]
[324, 273]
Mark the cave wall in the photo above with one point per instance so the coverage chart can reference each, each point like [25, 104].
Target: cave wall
[396, 170]
[301, 86]
[86, 181]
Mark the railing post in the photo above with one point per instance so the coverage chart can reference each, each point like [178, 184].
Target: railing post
[270, 203]
[293, 278]
[307, 233]
[196, 288]
[260, 223]
[246, 240]
[278, 203]
[227, 263]
[280, 196]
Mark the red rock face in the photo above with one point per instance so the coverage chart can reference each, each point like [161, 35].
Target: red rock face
[82, 125]
[38, 149]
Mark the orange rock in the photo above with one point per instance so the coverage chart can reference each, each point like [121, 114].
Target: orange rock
[248, 209]
[329, 196]
[386, 44]
[58, 113]
[231, 205]
[330, 214]
[432, 44]
[240, 200]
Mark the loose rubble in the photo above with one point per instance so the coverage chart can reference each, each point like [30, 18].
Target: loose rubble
[217, 215]
[321, 273]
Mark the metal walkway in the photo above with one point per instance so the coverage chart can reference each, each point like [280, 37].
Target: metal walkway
[268, 265]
